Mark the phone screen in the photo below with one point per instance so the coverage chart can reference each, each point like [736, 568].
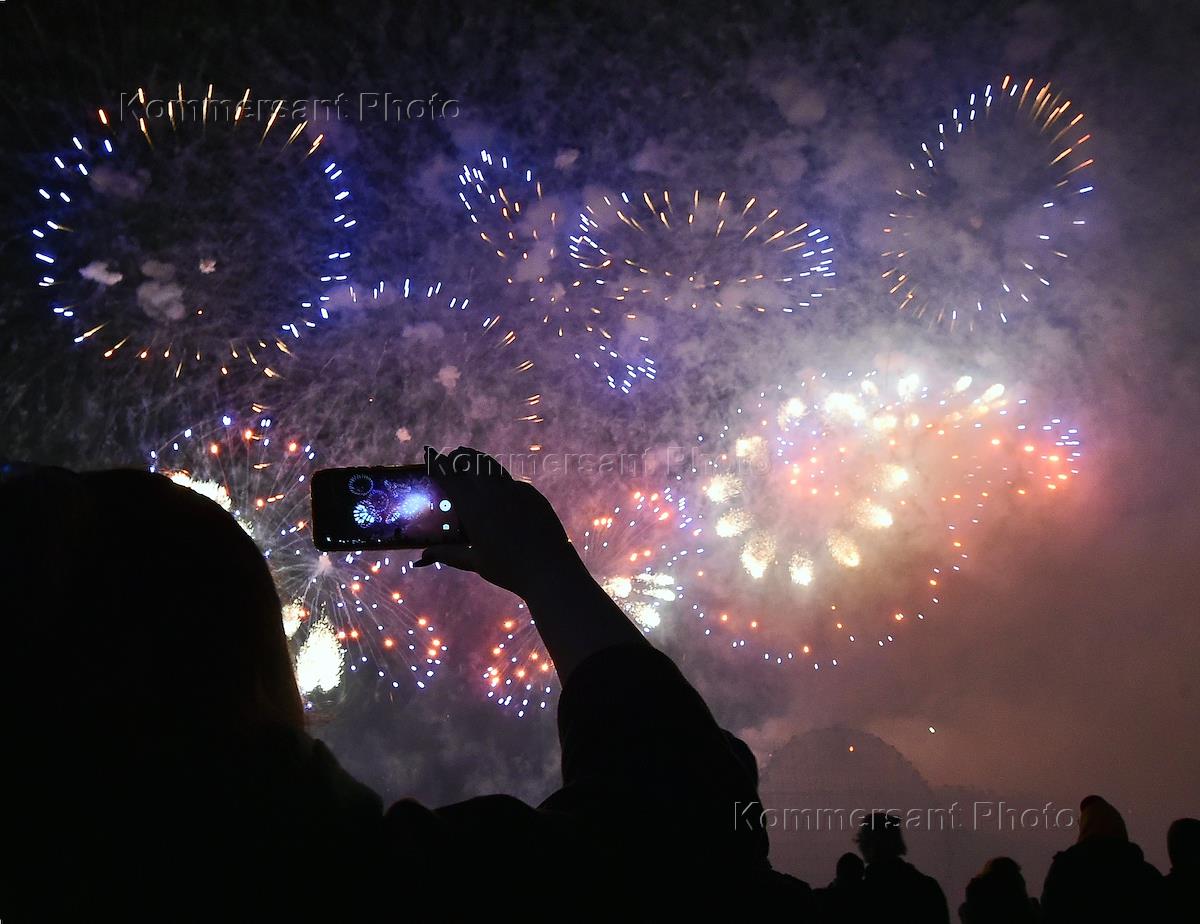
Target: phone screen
[382, 507]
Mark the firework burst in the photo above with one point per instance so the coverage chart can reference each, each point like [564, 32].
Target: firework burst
[344, 612]
[997, 197]
[633, 550]
[836, 493]
[430, 368]
[518, 224]
[187, 232]
[519, 675]
[698, 252]
[652, 261]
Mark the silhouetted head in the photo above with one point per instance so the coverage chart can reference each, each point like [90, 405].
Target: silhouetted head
[998, 893]
[849, 868]
[880, 838]
[1183, 843]
[156, 756]
[140, 606]
[1005, 872]
[1004, 867]
[1098, 820]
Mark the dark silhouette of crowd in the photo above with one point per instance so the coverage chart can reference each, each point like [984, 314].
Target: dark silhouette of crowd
[158, 766]
[1102, 877]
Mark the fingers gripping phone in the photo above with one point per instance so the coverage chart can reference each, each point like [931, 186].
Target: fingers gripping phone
[381, 507]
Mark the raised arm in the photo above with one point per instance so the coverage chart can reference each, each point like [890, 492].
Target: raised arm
[518, 543]
[641, 752]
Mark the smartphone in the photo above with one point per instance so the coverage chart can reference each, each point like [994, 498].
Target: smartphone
[381, 507]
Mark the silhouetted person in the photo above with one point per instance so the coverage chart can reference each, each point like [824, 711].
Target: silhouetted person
[894, 889]
[157, 765]
[1103, 876]
[1183, 882]
[659, 807]
[843, 899]
[998, 896]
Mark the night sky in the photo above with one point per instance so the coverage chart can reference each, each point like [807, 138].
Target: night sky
[1063, 660]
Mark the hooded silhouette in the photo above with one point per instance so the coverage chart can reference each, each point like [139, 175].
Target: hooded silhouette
[1103, 876]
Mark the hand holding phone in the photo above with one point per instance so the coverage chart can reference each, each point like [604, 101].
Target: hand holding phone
[381, 507]
[516, 539]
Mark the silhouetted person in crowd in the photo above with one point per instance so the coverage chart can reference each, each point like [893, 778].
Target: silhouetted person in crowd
[848, 874]
[1103, 876]
[157, 765]
[843, 899]
[894, 889]
[1183, 882]
[998, 896]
